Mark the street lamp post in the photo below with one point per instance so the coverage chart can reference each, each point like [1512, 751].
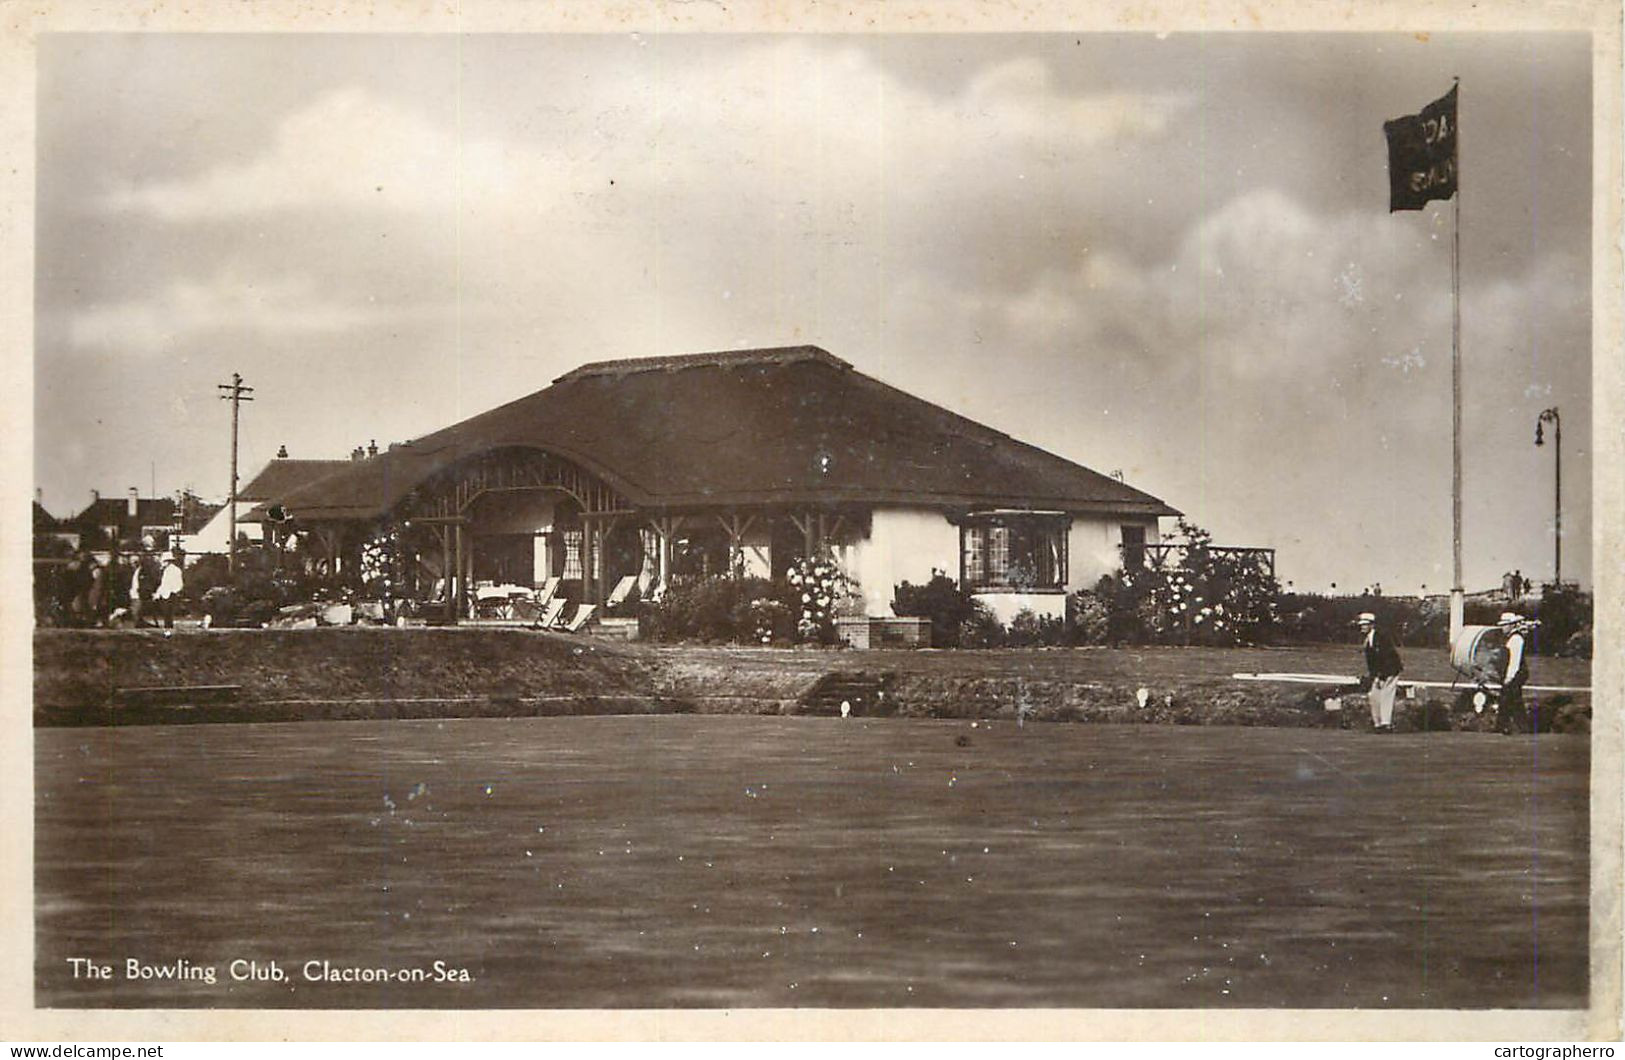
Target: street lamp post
[1550, 416]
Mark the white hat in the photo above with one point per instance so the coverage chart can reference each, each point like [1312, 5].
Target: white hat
[1509, 618]
[1366, 616]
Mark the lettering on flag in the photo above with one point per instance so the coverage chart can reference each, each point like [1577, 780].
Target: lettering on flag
[1422, 155]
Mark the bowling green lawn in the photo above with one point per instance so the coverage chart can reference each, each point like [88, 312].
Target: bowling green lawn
[740, 861]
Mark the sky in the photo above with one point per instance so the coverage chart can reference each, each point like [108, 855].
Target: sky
[1169, 256]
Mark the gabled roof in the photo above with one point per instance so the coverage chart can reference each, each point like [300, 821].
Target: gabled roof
[792, 425]
[44, 521]
[115, 511]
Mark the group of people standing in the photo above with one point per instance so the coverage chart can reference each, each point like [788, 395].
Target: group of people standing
[94, 594]
[1383, 667]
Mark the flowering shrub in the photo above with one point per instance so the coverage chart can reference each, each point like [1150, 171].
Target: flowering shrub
[1209, 597]
[1088, 617]
[817, 588]
[770, 620]
[381, 564]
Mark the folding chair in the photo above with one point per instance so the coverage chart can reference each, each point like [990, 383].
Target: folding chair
[544, 595]
[549, 618]
[622, 590]
[583, 615]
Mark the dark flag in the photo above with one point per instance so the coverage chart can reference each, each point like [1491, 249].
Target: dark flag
[1422, 155]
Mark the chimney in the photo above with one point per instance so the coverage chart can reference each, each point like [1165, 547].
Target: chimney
[372, 448]
[135, 502]
[95, 496]
[39, 496]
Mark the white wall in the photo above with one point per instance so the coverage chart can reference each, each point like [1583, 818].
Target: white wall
[1007, 605]
[904, 545]
[541, 521]
[907, 544]
[1092, 547]
[757, 548]
[214, 537]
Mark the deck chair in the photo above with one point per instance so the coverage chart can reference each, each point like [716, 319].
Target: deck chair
[622, 590]
[549, 617]
[546, 591]
[579, 620]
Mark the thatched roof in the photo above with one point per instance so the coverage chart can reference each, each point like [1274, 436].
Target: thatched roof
[793, 425]
[282, 476]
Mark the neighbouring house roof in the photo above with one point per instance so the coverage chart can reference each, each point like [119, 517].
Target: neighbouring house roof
[44, 521]
[104, 512]
[115, 511]
[792, 425]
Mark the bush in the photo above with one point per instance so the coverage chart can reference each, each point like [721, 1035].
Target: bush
[771, 621]
[942, 601]
[1565, 615]
[1309, 618]
[207, 572]
[722, 610]
[981, 629]
[1088, 616]
[1029, 630]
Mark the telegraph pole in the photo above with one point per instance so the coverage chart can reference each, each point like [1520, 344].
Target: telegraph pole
[236, 393]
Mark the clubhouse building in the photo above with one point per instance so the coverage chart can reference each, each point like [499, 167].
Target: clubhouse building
[720, 463]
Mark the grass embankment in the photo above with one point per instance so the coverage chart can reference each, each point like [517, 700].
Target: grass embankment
[86, 677]
[1182, 686]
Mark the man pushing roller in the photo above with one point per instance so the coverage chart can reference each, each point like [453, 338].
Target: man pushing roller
[1383, 667]
[1511, 717]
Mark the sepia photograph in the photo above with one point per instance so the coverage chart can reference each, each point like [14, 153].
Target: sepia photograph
[818, 519]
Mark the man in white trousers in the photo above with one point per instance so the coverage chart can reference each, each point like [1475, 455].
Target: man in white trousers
[1382, 667]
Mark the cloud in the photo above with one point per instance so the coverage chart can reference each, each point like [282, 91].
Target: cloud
[770, 177]
[347, 150]
[1020, 98]
[186, 309]
[778, 119]
[1283, 376]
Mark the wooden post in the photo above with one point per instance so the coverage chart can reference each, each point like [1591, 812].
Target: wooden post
[663, 531]
[455, 586]
[664, 527]
[736, 531]
[447, 579]
[807, 523]
[586, 559]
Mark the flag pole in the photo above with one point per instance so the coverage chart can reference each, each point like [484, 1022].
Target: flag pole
[1458, 601]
